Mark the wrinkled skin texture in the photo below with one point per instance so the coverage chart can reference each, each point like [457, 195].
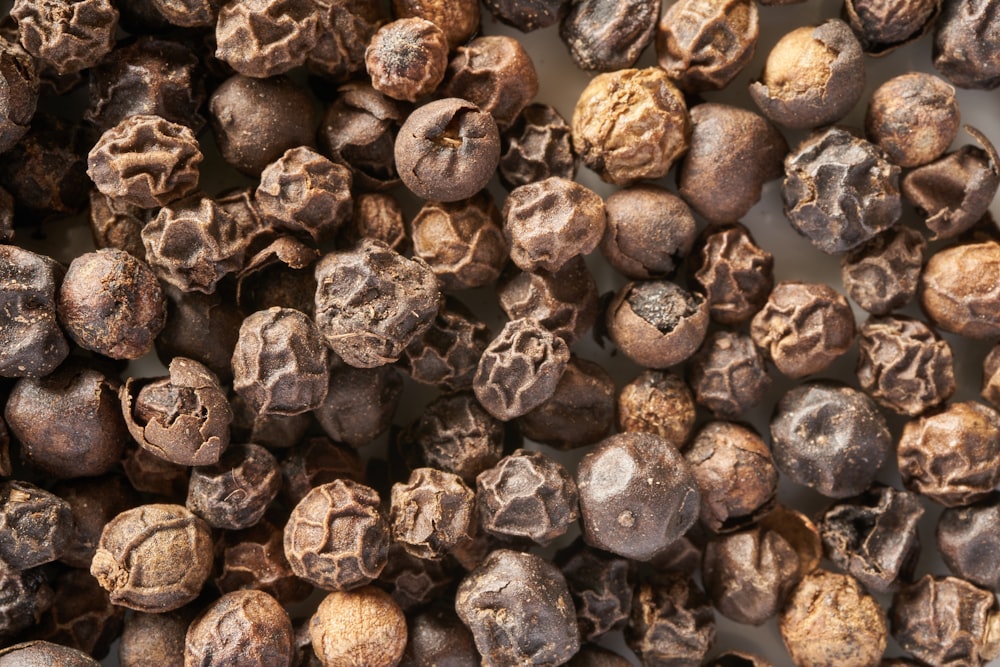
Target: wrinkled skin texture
[883, 274]
[904, 365]
[241, 629]
[883, 27]
[431, 513]
[672, 622]
[234, 493]
[829, 437]
[31, 342]
[840, 191]
[660, 403]
[35, 525]
[44, 654]
[360, 403]
[458, 18]
[456, 434]
[345, 29]
[580, 411]
[620, 511]
[630, 125]
[406, 59]
[255, 558]
[735, 273]
[82, 616]
[969, 543]
[262, 38]
[913, 117]
[538, 145]
[67, 36]
[565, 302]
[601, 585]
[728, 374]
[967, 44]
[496, 74]
[608, 35]
[957, 290]
[519, 610]
[438, 637]
[447, 354]
[24, 597]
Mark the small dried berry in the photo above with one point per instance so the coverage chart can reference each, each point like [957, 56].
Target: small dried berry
[363, 626]
[447, 354]
[31, 342]
[456, 434]
[235, 492]
[882, 274]
[406, 59]
[657, 323]
[913, 117]
[882, 29]
[957, 290]
[660, 403]
[240, 629]
[66, 36]
[538, 145]
[672, 622]
[262, 38]
[968, 541]
[728, 374]
[432, 513]
[35, 525]
[736, 274]
[605, 35]
[580, 411]
[965, 46]
[360, 403]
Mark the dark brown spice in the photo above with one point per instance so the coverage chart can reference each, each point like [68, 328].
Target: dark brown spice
[31, 342]
[882, 274]
[671, 622]
[432, 513]
[538, 145]
[263, 38]
[406, 59]
[913, 117]
[728, 374]
[657, 323]
[605, 35]
[580, 411]
[68, 37]
[235, 492]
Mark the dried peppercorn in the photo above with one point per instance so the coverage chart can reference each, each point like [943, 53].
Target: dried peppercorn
[360, 402]
[952, 456]
[854, 631]
[456, 434]
[35, 525]
[416, 582]
[628, 150]
[155, 638]
[519, 610]
[447, 354]
[937, 619]
[660, 403]
[379, 216]
[913, 117]
[279, 275]
[620, 511]
[601, 585]
[438, 637]
[263, 38]
[242, 628]
[31, 342]
[406, 59]
[735, 273]
[202, 327]
[183, 418]
[336, 537]
[148, 473]
[882, 30]
[965, 46]
[94, 501]
[362, 626]
[38, 652]
[66, 36]
[671, 621]
[371, 302]
[580, 411]
[432, 513]
[26, 596]
[882, 274]
[89, 436]
[728, 374]
[957, 291]
[604, 35]
[82, 616]
[116, 224]
[904, 365]
[538, 145]
[649, 232]
[235, 492]
[874, 536]
[830, 437]
[813, 76]
[254, 558]
[657, 323]
[154, 558]
[690, 45]
[316, 461]
[345, 29]
[967, 540]
[20, 93]
[459, 20]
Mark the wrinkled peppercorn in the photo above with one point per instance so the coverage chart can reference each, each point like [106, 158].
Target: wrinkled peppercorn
[605, 35]
[254, 558]
[957, 290]
[345, 28]
[965, 45]
[447, 354]
[882, 274]
[359, 403]
[316, 461]
[66, 36]
[31, 342]
[812, 77]
[881, 29]
[24, 597]
[458, 18]
[35, 525]
[728, 374]
[671, 622]
[580, 411]
[538, 145]
[379, 216]
[20, 93]
[263, 38]
[415, 582]
[432, 513]
[438, 637]
[155, 638]
[456, 434]
[44, 653]
[913, 117]
[601, 586]
[829, 437]
[735, 273]
[235, 492]
[82, 616]
[660, 403]
[240, 629]
[968, 541]
[94, 501]
[406, 59]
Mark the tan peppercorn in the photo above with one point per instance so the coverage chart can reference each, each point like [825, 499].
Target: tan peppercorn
[363, 627]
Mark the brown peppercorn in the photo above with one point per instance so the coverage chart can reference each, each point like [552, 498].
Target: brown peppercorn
[965, 46]
[193, 243]
[882, 274]
[456, 434]
[148, 473]
[968, 541]
[154, 558]
[882, 29]
[736, 274]
[94, 501]
[447, 354]
[26, 595]
[813, 76]
[519, 610]
[657, 323]
[280, 363]
[146, 161]
[839, 191]
[650, 131]
[35, 525]
[904, 365]
[281, 274]
[735, 473]
[733, 152]
[649, 232]
[235, 492]
[954, 192]
[830, 621]
[526, 495]
[580, 412]
[946, 621]
[89, 435]
[116, 224]
[874, 536]
[749, 574]
[241, 629]
[371, 302]
[111, 303]
[202, 327]
[913, 117]
[44, 654]
[19, 95]
[991, 377]
[459, 19]
[82, 616]
[336, 537]
[672, 622]
[155, 639]
[379, 216]
[345, 29]
[31, 342]
[703, 44]
[620, 510]
[254, 558]
[565, 302]
[183, 418]
[660, 403]
[496, 74]
[463, 242]
[520, 369]
[256, 120]
[829, 437]
[358, 131]
[447, 150]
[728, 374]
[438, 637]
[416, 582]
[66, 36]
[803, 327]
[605, 35]
[549, 222]
[952, 456]
[538, 145]
[601, 585]
[263, 38]
[360, 627]
[151, 75]
[800, 532]
[360, 403]
[305, 193]
[272, 431]
[406, 59]
[316, 461]
[432, 513]
[958, 292]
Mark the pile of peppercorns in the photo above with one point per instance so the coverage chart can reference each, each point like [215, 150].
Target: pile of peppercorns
[357, 246]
